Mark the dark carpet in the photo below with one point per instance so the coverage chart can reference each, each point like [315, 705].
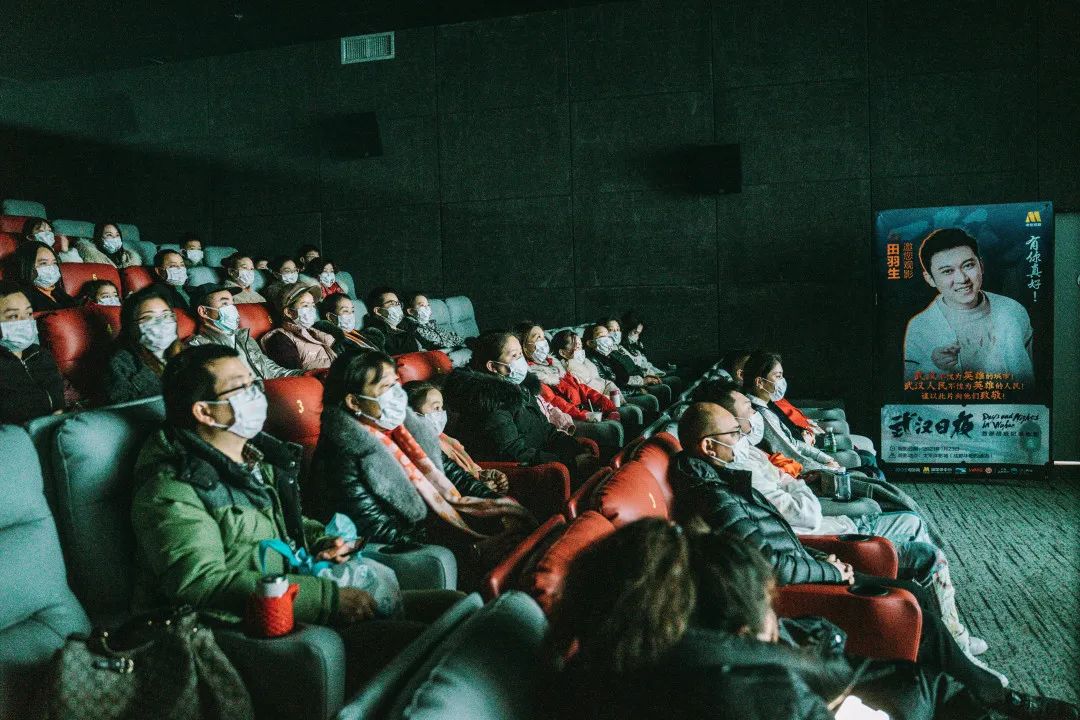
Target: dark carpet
[1015, 556]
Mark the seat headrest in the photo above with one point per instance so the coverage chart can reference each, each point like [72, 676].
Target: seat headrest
[545, 582]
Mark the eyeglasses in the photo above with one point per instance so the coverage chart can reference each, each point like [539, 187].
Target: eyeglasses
[722, 434]
[257, 384]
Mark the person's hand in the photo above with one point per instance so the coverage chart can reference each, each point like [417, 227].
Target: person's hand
[496, 480]
[61, 243]
[335, 550]
[770, 631]
[354, 606]
[847, 573]
[946, 358]
[834, 465]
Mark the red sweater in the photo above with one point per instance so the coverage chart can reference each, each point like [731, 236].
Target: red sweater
[574, 397]
[794, 414]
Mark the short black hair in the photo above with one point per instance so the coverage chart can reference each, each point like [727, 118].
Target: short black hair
[90, 289]
[160, 255]
[351, 371]
[29, 225]
[26, 259]
[306, 248]
[10, 287]
[488, 346]
[759, 364]
[230, 262]
[734, 360]
[561, 340]
[190, 236]
[417, 391]
[279, 260]
[719, 392]
[374, 298]
[944, 239]
[187, 380]
[329, 303]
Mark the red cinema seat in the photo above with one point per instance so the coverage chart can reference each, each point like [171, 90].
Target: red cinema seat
[630, 494]
[256, 318]
[584, 497]
[9, 242]
[545, 581]
[135, 278]
[422, 365]
[294, 411]
[504, 576]
[80, 340]
[75, 275]
[12, 223]
[185, 324]
[543, 489]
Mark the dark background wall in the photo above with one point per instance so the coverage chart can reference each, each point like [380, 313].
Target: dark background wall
[527, 161]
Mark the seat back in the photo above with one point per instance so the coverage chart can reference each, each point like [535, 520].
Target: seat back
[135, 278]
[12, 223]
[440, 313]
[93, 455]
[630, 494]
[74, 229]
[200, 275]
[37, 608]
[462, 316]
[75, 275]
[256, 318]
[507, 573]
[26, 208]
[294, 411]
[422, 365]
[185, 323]
[345, 280]
[545, 581]
[9, 242]
[80, 340]
[655, 453]
[583, 498]
[213, 255]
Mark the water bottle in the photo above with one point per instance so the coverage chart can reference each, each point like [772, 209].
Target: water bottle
[843, 487]
[828, 443]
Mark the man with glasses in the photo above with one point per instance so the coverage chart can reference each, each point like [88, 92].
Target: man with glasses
[219, 324]
[386, 314]
[210, 486]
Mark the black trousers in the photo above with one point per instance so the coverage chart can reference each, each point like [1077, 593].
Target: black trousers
[938, 650]
[909, 691]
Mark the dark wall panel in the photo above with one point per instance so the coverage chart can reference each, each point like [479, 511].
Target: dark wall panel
[387, 246]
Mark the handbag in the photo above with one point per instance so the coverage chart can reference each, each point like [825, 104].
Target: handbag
[162, 665]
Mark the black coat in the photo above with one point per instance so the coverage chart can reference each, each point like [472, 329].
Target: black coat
[399, 340]
[726, 500]
[40, 302]
[130, 377]
[465, 483]
[611, 369]
[30, 387]
[497, 420]
[177, 298]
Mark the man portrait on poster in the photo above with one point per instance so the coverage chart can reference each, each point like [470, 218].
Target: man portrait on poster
[965, 328]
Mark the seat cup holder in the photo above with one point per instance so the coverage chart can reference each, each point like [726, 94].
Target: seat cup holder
[855, 537]
[868, 590]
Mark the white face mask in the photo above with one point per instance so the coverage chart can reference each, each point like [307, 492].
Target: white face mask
[423, 314]
[579, 354]
[616, 335]
[158, 334]
[757, 429]
[194, 256]
[290, 277]
[347, 322]
[246, 278]
[47, 276]
[228, 319]
[742, 449]
[46, 237]
[306, 316]
[394, 315]
[437, 418]
[540, 351]
[519, 369]
[176, 276]
[110, 301]
[249, 412]
[605, 345]
[327, 279]
[734, 449]
[111, 244]
[779, 389]
[17, 335]
[392, 403]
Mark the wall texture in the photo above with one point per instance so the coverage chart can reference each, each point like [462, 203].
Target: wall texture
[527, 160]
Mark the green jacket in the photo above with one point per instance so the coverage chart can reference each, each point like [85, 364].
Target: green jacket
[198, 519]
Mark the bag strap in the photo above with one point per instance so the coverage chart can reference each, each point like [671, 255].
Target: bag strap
[298, 560]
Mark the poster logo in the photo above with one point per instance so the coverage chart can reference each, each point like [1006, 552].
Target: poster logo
[1034, 219]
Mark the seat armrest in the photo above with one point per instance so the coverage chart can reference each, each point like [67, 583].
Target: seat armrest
[418, 567]
[589, 445]
[300, 676]
[870, 554]
[888, 626]
[543, 489]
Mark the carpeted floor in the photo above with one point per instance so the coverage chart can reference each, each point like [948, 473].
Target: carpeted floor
[1015, 556]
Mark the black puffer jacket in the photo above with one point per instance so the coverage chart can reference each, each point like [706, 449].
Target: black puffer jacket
[727, 501]
[465, 483]
[497, 420]
[30, 387]
[609, 368]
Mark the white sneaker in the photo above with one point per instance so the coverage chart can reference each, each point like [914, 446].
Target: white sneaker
[979, 663]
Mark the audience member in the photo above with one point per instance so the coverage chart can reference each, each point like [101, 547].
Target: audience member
[632, 363]
[147, 340]
[597, 360]
[170, 276]
[428, 333]
[262, 263]
[732, 363]
[304, 254]
[283, 271]
[619, 357]
[240, 271]
[40, 230]
[219, 324]
[210, 486]
[106, 247]
[39, 273]
[296, 344]
[339, 320]
[191, 249]
[30, 383]
[386, 315]
[426, 400]
[566, 350]
[100, 292]
[324, 271]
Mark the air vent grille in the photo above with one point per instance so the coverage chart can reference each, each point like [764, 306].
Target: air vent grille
[367, 48]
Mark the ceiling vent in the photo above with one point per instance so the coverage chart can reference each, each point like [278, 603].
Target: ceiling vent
[366, 48]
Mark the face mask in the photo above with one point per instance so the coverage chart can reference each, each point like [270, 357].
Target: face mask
[249, 413]
[111, 301]
[245, 277]
[228, 319]
[519, 369]
[17, 335]
[394, 316]
[158, 334]
[347, 322]
[633, 337]
[306, 316]
[46, 237]
[757, 429]
[605, 345]
[423, 315]
[579, 354]
[392, 404]
[327, 279]
[47, 276]
[290, 277]
[731, 447]
[194, 256]
[742, 449]
[616, 335]
[176, 276]
[111, 244]
[540, 351]
[437, 418]
[779, 389]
